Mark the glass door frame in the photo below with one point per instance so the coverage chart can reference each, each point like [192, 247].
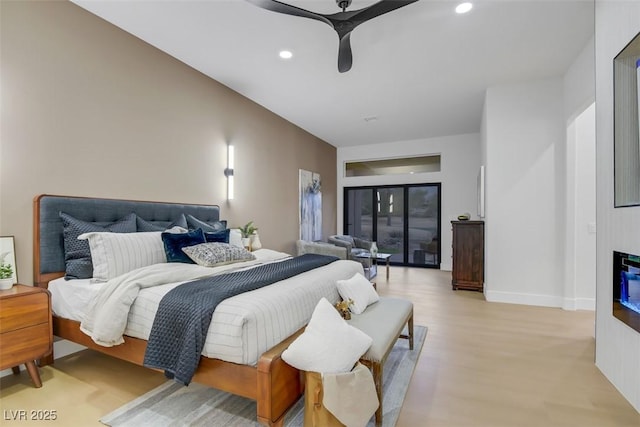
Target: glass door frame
[374, 225]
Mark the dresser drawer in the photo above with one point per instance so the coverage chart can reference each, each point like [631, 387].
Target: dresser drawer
[23, 311]
[24, 344]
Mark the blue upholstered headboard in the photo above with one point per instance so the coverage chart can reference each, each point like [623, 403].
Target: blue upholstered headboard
[48, 248]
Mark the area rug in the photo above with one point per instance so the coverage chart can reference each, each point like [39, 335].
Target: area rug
[172, 404]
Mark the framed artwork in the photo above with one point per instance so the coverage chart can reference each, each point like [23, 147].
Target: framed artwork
[626, 138]
[8, 255]
[310, 212]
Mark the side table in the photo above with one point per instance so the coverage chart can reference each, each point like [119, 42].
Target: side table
[26, 332]
[385, 258]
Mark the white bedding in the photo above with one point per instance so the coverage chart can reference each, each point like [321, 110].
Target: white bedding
[243, 327]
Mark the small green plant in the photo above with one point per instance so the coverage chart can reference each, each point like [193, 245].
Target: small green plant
[248, 229]
[6, 271]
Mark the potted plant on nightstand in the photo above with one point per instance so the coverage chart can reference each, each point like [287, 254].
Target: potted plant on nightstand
[247, 231]
[6, 273]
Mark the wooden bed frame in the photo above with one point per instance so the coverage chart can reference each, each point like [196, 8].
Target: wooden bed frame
[273, 384]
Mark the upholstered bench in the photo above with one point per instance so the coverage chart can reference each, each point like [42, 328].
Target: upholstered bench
[383, 321]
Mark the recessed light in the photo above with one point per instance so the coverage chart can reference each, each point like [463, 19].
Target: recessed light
[464, 7]
[285, 54]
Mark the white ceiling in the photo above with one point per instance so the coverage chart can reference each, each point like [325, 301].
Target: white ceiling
[421, 70]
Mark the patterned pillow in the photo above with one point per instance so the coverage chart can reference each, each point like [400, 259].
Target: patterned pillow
[145, 226]
[194, 223]
[215, 253]
[77, 255]
[174, 242]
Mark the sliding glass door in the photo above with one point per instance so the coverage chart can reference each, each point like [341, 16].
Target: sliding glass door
[404, 220]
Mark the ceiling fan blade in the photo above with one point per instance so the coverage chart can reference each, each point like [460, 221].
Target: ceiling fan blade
[287, 9]
[380, 8]
[345, 58]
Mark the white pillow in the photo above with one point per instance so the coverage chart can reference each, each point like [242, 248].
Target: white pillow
[358, 289]
[114, 254]
[328, 344]
[235, 237]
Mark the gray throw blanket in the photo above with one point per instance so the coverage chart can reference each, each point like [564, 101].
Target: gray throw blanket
[184, 314]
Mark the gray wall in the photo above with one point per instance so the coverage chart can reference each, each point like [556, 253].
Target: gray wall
[89, 110]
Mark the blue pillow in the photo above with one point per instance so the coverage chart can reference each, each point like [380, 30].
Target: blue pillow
[174, 242]
[77, 255]
[217, 236]
[207, 227]
[144, 225]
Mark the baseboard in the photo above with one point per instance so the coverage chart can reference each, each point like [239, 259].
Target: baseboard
[61, 348]
[525, 299]
[579, 304]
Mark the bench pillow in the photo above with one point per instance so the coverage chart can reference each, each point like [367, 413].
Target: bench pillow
[328, 344]
[359, 290]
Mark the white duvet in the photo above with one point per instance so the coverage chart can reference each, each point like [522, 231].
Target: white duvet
[242, 328]
[106, 316]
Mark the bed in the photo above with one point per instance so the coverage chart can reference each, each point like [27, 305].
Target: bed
[264, 377]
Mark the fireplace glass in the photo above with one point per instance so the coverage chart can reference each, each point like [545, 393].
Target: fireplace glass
[626, 288]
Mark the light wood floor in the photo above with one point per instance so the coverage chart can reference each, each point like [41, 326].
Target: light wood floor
[483, 364]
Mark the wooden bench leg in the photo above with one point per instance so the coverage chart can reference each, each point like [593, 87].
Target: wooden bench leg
[410, 326]
[377, 379]
[409, 335]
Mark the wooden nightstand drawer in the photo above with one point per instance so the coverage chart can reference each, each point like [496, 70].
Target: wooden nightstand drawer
[23, 311]
[24, 344]
[25, 328]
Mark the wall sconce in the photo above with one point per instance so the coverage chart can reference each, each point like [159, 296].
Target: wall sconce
[228, 172]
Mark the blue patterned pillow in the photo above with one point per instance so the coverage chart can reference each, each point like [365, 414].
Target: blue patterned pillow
[144, 225]
[174, 242]
[218, 236]
[213, 254]
[77, 255]
[207, 227]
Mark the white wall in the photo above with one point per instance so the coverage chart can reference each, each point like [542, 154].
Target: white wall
[579, 83]
[580, 221]
[580, 243]
[460, 163]
[617, 345]
[525, 137]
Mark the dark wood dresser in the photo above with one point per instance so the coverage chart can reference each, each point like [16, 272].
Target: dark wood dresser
[468, 255]
[25, 328]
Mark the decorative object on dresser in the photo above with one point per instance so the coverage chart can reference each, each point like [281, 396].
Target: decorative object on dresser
[468, 255]
[25, 329]
[8, 270]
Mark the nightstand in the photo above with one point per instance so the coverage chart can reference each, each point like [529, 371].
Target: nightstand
[25, 328]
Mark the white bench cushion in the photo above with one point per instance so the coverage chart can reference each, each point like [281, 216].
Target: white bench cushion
[383, 321]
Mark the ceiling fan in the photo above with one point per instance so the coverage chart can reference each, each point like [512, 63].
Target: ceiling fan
[343, 22]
